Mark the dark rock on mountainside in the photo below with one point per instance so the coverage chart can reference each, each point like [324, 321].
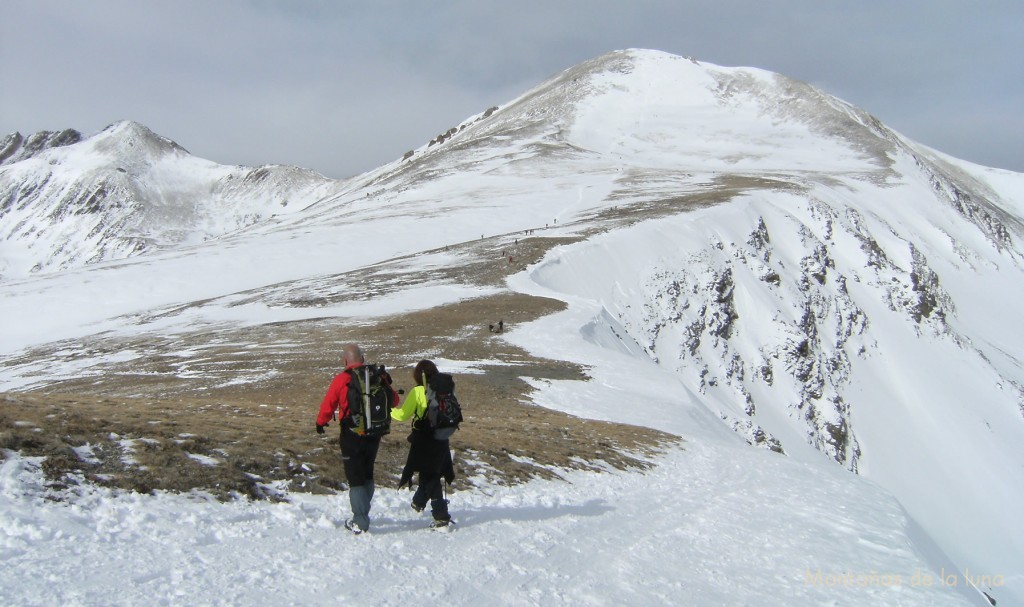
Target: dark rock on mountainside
[16, 147]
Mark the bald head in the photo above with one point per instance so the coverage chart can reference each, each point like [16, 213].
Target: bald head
[352, 354]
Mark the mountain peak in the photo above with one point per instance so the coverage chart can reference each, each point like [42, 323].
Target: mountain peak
[649, 110]
[643, 102]
[135, 138]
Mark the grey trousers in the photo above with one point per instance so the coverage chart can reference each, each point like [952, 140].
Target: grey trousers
[359, 497]
[358, 454]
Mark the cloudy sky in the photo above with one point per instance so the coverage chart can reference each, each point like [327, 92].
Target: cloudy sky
[344, 86]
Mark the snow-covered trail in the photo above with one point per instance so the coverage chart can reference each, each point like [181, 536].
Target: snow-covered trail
[679, 533]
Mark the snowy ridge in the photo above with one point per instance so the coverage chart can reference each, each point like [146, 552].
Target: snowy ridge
[754, 259]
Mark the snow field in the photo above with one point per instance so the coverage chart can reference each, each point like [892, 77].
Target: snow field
[706, 525]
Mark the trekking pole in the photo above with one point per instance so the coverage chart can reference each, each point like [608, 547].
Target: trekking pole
[366, 398]
[446, 480]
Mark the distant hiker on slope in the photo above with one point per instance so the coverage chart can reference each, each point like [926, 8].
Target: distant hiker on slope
[362, 398]
[436, 414]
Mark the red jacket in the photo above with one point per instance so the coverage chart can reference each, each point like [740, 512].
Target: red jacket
[336, 399]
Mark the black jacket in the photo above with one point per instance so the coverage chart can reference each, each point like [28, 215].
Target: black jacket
[428, 456]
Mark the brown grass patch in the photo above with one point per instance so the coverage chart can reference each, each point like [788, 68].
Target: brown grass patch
[144, 444]
[255, 435]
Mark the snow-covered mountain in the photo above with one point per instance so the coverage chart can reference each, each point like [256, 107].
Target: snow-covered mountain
[759, 252]
[69, 201]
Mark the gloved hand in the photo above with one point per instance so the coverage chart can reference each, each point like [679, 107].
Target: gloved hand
[320, 429]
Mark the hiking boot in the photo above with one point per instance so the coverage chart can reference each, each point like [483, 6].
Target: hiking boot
[418, 507]
[353, 527]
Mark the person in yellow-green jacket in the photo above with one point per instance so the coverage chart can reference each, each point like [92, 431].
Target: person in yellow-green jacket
[428, 455]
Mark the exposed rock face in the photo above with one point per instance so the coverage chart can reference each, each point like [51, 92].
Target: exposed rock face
[15, 147]
[819, 323]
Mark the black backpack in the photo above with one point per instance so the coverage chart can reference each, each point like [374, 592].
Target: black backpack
[369, 400]
[444, 413]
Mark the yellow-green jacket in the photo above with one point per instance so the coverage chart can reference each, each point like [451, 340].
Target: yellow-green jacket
[413, 407]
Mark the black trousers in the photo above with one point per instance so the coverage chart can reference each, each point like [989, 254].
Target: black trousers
[358, 455]
[430, 488]
[432, 459]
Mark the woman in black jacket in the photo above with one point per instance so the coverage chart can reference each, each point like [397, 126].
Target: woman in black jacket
[428, 455]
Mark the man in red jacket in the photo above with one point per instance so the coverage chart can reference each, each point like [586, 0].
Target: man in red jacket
[358, 450]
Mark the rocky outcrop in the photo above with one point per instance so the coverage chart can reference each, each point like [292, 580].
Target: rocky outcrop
[15, 147]
[817, 328]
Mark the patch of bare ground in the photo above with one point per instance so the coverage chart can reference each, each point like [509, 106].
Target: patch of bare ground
[231, 410]
[152, 428]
